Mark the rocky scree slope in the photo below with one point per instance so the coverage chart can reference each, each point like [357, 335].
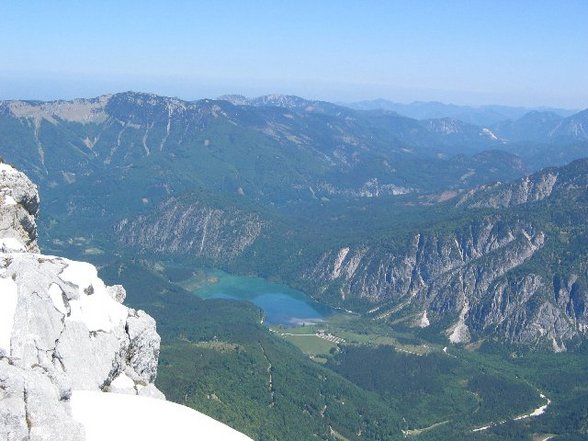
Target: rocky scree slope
[64, 333]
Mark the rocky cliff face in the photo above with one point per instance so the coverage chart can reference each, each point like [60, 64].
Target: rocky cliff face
[19, 204]
[555, 182]
[193, 228]
[464, 279]
[61, 328]
[478, 280]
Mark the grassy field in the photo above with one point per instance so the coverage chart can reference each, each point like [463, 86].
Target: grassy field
[344, 331]
[315, 347]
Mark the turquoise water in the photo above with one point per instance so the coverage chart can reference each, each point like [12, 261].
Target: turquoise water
[281, 305]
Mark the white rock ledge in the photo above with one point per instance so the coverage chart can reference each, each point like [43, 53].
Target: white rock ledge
[118, 417]
[62, 330]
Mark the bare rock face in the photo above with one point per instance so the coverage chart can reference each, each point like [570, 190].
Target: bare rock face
[61, 329]
[193, 228]
[513, 270]
[466, 277]
[19, 204]
[32, 407]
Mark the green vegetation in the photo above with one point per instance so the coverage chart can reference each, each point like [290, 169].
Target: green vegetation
[317, 348]
[218, 358]
[215, 354]
[215, 357]
[302, 174]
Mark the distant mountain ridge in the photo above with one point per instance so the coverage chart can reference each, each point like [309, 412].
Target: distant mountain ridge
[320, 149]
[532, 133]
[544, 126]
[532, 126]
[485, 115]
[274, 100]
[120, 129]
[575, 126]
[512, 124]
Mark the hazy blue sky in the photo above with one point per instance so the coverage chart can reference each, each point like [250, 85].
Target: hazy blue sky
[520, 52]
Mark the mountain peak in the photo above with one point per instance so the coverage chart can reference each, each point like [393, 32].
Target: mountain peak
[271, 100]
[235, 99]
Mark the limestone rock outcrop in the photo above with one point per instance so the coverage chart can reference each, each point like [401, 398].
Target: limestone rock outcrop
[511, 268]
[61, 329]
[66, 340]
[19, 204]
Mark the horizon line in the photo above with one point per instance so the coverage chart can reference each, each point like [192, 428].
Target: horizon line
[343, 103]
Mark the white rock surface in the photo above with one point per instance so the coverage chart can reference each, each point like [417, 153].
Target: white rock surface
[424, 322]
[459, 332]
[8, 299]
[107, 417]
[60, 327]
[63, 329]
[32, 406]
[19, 204]
[63, 334]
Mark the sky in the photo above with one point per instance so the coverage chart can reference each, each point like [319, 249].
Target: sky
[512, 52]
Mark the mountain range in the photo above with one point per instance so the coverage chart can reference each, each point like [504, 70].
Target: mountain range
[454, 255]
[480, 115]
[221, 181]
